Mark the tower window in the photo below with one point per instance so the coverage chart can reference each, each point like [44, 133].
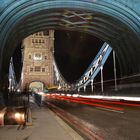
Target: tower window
[36, 41]
[31, 69]
[37, 68]
[43, 69]
[37, 56]
[45, 57]
[30, 56]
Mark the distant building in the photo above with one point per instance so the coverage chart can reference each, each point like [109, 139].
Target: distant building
[38, 67]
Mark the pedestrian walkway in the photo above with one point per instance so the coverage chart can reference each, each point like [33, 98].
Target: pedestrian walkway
[46, 126]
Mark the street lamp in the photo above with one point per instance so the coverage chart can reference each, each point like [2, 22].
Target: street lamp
[18, 90]
[102, 86]
[92, 85]
[10, 84]
[115, 75]
[12, 88]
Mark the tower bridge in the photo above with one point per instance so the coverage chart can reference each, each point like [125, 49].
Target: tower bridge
[116, 22]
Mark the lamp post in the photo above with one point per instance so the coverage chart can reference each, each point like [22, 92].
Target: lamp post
[102, 86]
[92, 85]
[10, 84]
[115, 75]
[84, 88]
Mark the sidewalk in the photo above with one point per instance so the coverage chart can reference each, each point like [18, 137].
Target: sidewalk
[46, 126]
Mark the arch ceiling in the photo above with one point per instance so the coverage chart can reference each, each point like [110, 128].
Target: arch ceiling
[113, 21]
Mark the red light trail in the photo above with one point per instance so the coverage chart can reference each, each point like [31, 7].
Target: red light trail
[94, 102]
[80, 101]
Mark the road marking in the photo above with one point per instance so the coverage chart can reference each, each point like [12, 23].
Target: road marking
[110, 110]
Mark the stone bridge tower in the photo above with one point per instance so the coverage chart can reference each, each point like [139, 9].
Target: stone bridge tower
[38, 52]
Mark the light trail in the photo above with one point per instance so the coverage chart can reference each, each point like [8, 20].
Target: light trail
[111, 97]
[105, 103]
[77, 100]
[104, 100]
[110, 102]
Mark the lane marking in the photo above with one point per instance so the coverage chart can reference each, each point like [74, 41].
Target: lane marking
[117, 111]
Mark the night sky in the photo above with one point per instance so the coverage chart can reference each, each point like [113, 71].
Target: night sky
[74, 51]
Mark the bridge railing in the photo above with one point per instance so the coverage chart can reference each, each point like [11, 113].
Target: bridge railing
[95, 66]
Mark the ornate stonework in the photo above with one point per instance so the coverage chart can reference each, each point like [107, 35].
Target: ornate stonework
[38, 59]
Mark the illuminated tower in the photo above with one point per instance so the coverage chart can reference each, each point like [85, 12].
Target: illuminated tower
[38, 51]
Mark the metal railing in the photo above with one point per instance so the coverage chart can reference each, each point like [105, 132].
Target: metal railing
[95, 67]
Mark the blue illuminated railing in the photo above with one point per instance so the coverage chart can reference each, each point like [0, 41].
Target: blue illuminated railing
[95, 66]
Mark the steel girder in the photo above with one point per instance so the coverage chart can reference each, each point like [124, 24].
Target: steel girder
[95, 66]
